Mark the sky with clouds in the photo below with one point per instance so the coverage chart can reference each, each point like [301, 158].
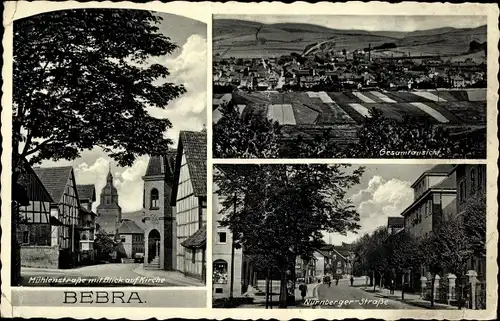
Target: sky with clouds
[384, 190]
[187, 66]
[369, 22]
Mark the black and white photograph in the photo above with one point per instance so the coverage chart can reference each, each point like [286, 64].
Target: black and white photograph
[322, 236]
[109, 159]
[348, 86]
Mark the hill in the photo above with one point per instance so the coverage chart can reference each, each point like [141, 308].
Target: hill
[242, 39]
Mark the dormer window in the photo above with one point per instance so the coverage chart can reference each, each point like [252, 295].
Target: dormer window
[155, 199]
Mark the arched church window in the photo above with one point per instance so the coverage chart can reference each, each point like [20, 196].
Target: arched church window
[155, 198]
[220, 272]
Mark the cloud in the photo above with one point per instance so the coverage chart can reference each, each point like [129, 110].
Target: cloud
[128, 181]
[380, 200]
[189, 68]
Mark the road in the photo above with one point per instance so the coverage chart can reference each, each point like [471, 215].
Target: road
[111, 274]
[343, 296]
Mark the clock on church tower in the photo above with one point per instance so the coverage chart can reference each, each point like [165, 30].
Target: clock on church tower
[154, 218]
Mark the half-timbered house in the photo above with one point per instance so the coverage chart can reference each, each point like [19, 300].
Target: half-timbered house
[189, 196]
[64, 210]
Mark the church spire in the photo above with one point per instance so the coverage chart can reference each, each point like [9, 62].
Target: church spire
[110, 176]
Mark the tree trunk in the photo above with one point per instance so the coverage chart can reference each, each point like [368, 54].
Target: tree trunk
[374, 282]
[432, 289]
[15, 270]
[231, 285]
[15, 273]
[267, 287]
[381, 281]
[402, 286]
[283, 289]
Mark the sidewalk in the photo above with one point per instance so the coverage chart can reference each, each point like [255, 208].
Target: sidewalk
[174, 277]
[410, 298]
[259, 297]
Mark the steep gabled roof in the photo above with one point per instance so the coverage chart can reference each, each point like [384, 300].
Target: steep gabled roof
[86, 192]
[194, 146]
[154, 166]
[129, 227]
[29, 187]
[54, 179]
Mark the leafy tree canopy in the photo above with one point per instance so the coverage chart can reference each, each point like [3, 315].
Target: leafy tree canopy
[282, 210]
[82, 79]
[244, 137]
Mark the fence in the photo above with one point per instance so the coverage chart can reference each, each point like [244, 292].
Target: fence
[460, 295]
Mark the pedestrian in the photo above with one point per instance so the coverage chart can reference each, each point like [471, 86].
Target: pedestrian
[303, 290]
[392, 286]
[352, 280]
[337, 281]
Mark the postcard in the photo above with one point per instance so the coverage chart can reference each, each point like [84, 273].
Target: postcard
[348, 160]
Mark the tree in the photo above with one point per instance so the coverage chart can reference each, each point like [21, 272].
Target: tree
[403, 255]
[380, 137]
[82, 78]
[361, 260]
[236, 136]
[285, 208]
[377, 254]
[445, 249]
[474, 222]
[103, 244]
[322, 145]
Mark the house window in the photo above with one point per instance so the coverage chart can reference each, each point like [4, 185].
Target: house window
[222, 237]
[473, 180]
[219, 272]
[462, 191]
[26, 237]
[219, 290]
[339, 264]
[155, 199]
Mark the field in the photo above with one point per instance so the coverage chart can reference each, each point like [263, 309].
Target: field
[244, 39]
[320, 109]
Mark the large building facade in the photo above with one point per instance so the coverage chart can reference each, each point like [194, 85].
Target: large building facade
[434, 199]
[225, 278]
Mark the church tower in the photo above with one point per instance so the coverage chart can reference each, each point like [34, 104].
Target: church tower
[159, 215]
[109, 213]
